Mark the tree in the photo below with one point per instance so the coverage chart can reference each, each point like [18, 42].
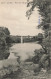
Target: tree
[4, 33]
[5, 30]
[44, 11]
[2, 38]
[40, 37]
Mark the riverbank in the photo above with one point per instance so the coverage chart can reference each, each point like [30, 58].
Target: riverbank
[26, 71]
[12, 69]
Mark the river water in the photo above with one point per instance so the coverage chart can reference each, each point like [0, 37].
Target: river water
[24, 50]
[11, 64]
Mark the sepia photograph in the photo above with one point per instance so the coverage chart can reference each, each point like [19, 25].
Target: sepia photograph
[25, 39]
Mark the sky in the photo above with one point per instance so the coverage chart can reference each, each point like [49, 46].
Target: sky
[13, 16]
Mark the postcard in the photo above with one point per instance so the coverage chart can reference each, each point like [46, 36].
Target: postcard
[25, 39]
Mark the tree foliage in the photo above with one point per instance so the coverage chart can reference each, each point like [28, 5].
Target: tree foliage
[44, 10]
[4, 33]
[5, 30]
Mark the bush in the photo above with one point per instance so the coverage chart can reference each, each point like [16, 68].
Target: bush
[41, 58]
[37, 68]
[4, 53]
[8, 67]
[38, 55]
[35, 59]
[44, 61]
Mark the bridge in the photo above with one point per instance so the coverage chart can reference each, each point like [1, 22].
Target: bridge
[26, 38]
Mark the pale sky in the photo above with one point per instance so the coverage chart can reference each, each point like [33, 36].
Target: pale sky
[13, 17]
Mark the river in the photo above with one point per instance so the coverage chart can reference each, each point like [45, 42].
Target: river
[11, 64]
[24, 50]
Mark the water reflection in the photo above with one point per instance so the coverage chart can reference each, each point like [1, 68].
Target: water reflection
[24, 50]
[7, 65]
[10, 56]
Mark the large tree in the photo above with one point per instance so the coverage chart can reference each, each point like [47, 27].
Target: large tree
[4, 33]
[44, 8]
[44, 11]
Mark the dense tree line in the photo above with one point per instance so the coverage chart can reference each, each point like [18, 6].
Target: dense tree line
[43, 57]
[15, 39]
[4, 33]
[4, 50]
